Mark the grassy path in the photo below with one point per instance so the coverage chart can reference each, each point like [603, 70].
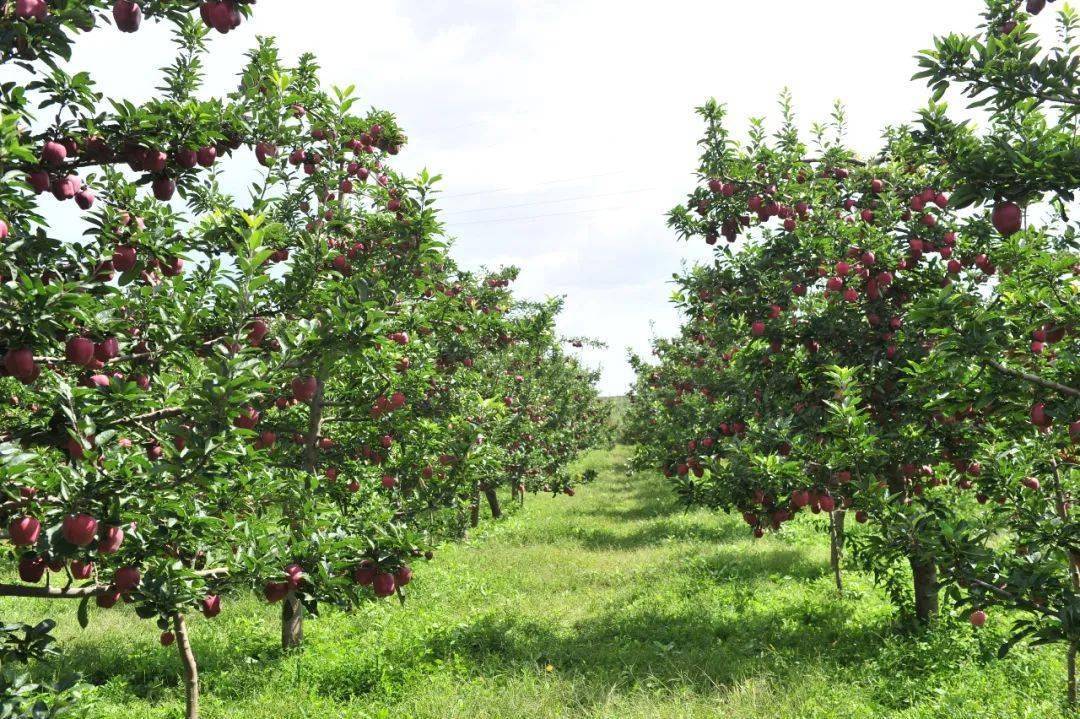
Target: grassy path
[614, 603]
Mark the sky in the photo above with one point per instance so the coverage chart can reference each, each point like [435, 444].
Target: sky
[565, 130]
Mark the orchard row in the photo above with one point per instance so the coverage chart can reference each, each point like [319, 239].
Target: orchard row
[897, 336]
[298, 394]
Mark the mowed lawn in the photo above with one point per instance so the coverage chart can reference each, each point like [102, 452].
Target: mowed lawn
[613, 603]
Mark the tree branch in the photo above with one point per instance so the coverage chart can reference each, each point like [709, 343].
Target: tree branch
[1034, 379]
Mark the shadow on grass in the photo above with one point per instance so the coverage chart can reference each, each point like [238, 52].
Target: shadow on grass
[646, 647]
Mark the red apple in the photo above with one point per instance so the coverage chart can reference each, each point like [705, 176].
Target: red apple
[127, 578]
[82, 569]
[383, 584]
[111, 539]
[977, 618]
[53, 154]
[79, 529]
[304, 388]
[124, 258]
[1007, 218]
[24, 531]
[364, 574]
[31, 568]
[127, 15]
[211, 606]
[403, 575]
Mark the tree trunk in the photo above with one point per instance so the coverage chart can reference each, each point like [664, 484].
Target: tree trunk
[292, 611]
[493, 502]
[474, 508]
[292, 622]
[836, 545]
[926, 590]
[924, 574]
[191, 669]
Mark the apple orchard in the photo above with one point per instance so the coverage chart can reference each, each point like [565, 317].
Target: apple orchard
[297, 394]
[897, 336]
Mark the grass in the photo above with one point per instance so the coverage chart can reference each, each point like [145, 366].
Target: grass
[614, 603]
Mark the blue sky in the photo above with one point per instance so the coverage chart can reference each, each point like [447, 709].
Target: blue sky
[565, 129]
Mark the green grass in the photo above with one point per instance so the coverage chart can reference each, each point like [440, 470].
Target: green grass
[614, 603]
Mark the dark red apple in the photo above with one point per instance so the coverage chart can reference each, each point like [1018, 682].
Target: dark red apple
[383, 584]
[403, 575]
[304, 388]
[127, 15]
[127, 578]
[31, 568]
[365, 573]
[1007, 218]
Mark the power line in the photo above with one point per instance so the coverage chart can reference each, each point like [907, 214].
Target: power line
[551, 202]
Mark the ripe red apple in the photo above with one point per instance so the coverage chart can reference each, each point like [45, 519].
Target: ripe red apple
[163, 188]
[31, 568]
[206, 155]
[31, 9]
[1074, 431]
[265, 152]
[19, 363]
[1007, 218]
[186, 158]
[955, 267]
[24, 531]
[403, 575]
[295, 574]
[82, 569]
[383, 584]
[84, 198]
[1039, 418]
[389, 482]
[977, 618]
[107, 349]
[364, 574]
[167, 639]
[248, 418]
[211, 606]
[757, 329]
[275, 591]
[127, 15]
[861, 516]
[304, 388]
[127, 578]
[108, 600]
[111, 539]
[53, 154]
[1031, 483]
[79, 529]
[124, 258]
